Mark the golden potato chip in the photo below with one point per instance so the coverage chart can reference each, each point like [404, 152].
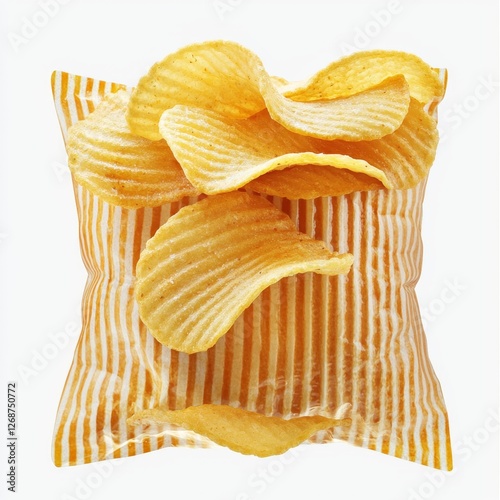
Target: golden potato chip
[314, 181]
[219, 154]
[366, 115]
[231, 80]
[241, 430]
[404, 156]
[362, 70]
[121, 168]
[209, 261]
[213, 75]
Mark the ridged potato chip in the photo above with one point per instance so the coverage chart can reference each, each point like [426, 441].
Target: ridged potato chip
[231, 80]
[241, 430]
[362, 70]
[366, 115]
[209, 261]
[122, 168]
[220, 154]
[315, 181]
[405, 157]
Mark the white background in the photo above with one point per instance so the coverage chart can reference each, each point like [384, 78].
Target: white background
[42, 276]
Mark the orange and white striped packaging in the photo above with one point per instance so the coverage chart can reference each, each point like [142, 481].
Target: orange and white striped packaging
[309, 344]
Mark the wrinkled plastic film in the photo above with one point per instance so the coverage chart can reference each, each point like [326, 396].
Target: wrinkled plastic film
[344, 346]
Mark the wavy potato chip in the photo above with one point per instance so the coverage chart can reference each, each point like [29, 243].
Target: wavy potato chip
[220, 154]
[362, 70]
[241, 430]
[207, 75]
[405, 157]
[231, 80]
[366, 115]
[311, 181]
[208, 263]
[122, 168]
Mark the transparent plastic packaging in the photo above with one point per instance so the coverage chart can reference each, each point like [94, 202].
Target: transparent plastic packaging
[338, 346]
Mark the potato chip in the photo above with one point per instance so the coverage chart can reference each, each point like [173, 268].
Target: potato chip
[214, 75]
[210, 261]
[314, 181]
[404, 156]
[362, 70]
[219, 154]
[231, 80]
[121, 168]
[366, 115]
[241, 430]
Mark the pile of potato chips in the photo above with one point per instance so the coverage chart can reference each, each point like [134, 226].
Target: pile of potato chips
[209, 121]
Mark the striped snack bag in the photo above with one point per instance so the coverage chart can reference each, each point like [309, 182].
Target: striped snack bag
[350, 345]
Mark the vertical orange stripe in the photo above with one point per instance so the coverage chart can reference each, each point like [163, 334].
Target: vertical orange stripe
[105, 338]
[83, 235]
[192, 364]
[78, 98]
[147, 392]
[139, 227]
[115, 417]
[362, 312]
[264, 354]
[319, 381]
[398, 338]
[385, 306]
[228, 363]
[88, 94]
[298, 367]
[64, 100]
[207, 393]
[130, 219]
[374, 343]
[102, 88]
[350, 308]
[281, 381]
[172, 389]
[247, 361]
[334, 371]
[366, 301]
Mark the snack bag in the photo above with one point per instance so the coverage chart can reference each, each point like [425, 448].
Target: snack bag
[331, 350]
